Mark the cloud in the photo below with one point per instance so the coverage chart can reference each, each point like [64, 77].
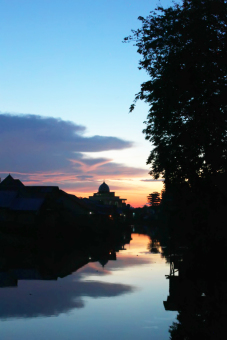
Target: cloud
[48, 143]
[48, 298]
[48, 150]
[152, 180]
[53, 133]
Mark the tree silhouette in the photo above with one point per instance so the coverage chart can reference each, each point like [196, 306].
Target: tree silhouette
[184, 51]
[154, 199]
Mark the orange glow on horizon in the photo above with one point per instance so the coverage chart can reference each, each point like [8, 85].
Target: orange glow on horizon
[133, 200]
[134, 190]
[136, 195]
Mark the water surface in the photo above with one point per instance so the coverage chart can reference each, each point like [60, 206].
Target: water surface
[115, 299]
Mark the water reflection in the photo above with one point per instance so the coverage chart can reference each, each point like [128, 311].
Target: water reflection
[46, 298]
[197, 290]
[73, 291]
[37, 282]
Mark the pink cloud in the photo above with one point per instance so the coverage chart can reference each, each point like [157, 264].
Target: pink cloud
[49, 151]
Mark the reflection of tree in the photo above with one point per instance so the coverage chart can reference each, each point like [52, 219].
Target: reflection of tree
[202, 318]
[197, 290]
[154, 246]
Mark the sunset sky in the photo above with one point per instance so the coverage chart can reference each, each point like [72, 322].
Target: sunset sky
[67, 82]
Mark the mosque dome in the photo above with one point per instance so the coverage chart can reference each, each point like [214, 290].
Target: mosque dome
[104, 188]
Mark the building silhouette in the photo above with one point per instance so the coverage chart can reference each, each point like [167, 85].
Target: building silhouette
[106, 197]
[25, 204]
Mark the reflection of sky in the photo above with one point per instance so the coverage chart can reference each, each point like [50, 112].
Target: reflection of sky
[94, 301]
[47, 298]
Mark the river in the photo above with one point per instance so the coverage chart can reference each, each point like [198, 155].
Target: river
[118, 299]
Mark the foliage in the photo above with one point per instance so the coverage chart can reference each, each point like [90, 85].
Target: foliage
[184, 51]
[154, 199]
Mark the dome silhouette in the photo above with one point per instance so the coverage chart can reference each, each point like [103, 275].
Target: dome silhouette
[103, 262]
[104, 188]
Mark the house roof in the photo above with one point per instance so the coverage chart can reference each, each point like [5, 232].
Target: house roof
[74, 198]
[6, 198]
[17, 197]
[42, 189]
[27, 204]
[9, 181]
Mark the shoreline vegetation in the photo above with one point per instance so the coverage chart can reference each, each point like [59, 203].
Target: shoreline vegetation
[183, 49]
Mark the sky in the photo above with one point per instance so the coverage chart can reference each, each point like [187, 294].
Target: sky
[67, 82]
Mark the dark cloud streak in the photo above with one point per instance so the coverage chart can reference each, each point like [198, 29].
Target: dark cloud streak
[47, 143]
[152, 180]
[50, 151]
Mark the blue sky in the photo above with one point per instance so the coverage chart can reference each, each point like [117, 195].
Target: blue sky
[65, 59]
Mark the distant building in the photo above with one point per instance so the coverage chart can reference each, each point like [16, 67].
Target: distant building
[22, 204]
[106, 197]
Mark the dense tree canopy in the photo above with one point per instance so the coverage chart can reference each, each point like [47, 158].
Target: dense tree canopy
[154, 199]
[184, 51]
